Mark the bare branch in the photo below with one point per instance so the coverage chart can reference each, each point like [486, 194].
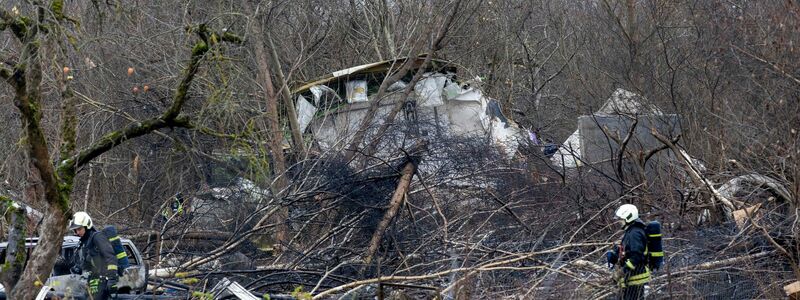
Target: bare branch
[168, 119]
[773, 66]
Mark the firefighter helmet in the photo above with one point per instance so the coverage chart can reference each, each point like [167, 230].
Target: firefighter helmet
[80, 219]
[627, 212]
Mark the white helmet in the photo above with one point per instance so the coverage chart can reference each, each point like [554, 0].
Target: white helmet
[80, 219]
[627, 212]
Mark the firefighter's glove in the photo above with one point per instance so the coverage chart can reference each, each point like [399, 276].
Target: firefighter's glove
[112, 284]
[94, 286]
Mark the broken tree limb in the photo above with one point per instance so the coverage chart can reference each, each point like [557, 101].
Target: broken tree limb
[721, 263]
[234, 242]
[603, 271]
[208, 235]
[792, 290]
[504, 206]
[406, 174]
[741, 216]
[694, 173]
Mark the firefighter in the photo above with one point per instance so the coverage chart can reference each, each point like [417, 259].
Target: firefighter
[628, 257]
[174, 207]
[97, 256]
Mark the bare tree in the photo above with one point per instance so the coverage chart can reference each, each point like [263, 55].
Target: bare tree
[26, 78]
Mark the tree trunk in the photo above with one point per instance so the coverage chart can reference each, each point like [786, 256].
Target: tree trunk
[387, 24]
[275, 134]
[635, 69]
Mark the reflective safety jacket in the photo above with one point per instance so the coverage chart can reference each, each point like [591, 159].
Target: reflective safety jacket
[98, 255]
[175, 207]
[632, 259]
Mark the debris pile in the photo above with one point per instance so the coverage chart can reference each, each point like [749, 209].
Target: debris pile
[332, 108]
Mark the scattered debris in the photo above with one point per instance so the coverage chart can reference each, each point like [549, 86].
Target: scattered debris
[622, 111]
[439, 105]
[42, 293]
[226, 288]
[741, 216]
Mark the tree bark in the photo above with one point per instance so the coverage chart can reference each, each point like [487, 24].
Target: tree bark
[27, 82]
[636, 74]
[387, 25]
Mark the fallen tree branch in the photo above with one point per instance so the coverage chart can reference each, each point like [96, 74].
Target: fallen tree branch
[407, 173]
[694, 173]
[504, 206]
[719, 263]
[496, 265]
[236, 240]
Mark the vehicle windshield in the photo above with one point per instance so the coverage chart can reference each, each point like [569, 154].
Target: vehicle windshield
[65, 260]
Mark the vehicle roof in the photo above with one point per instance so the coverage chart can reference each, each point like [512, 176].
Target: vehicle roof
[69, 240]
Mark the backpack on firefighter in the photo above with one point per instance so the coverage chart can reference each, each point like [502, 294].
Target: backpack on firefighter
[116, 244]
[654, 252]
